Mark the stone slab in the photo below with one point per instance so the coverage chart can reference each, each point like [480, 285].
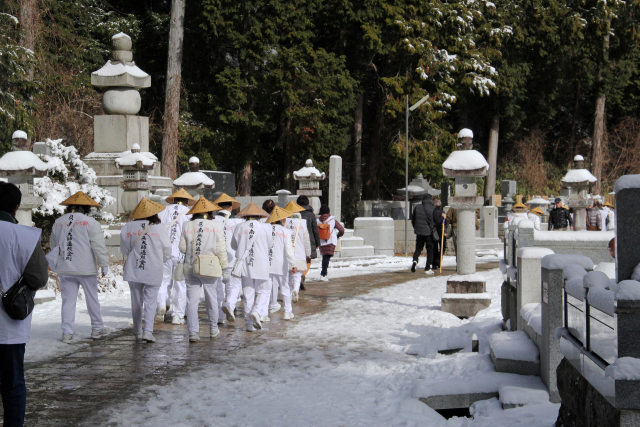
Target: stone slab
[357, 251]
[466, 287]
[452, 401]
[377, 232]
[348, 242]
[464, 307]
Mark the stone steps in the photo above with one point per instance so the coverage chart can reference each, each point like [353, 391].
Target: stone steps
[515, 353]
[349, 242]
[356, 251]
[512, 396]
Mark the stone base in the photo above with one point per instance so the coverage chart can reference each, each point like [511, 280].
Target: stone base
[465, 305]
[466, 287]
[511, 366]
[453, 401]
[118, 132]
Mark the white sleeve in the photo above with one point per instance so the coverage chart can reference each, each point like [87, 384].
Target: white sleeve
[125, 243]
[96, 238]
[288, 250]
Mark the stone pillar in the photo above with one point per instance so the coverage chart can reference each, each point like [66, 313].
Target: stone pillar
[489, 217]
[466, 241]
[552, 318]
[529, 279]
[283, 197]
[627, 225]
[335, 186]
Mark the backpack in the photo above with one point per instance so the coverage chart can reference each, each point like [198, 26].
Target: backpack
[324, 231]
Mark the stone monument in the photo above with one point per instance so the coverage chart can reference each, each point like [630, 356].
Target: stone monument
[135, 184]
[194, 181]
[309, 179]
[577, 182]
[116, 132]
[20, 167]
[465, 166]
[335, 186]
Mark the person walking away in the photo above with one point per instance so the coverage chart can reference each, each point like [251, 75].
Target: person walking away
[301, 247]
[251, 241]
[22, 257]
[329, 231]
[202, 236]
[232, 284]
[173, 293]
[281, 257]
[312, 229]
[559, 217]
[611, 216]
[594, 219]
[145, 244]
[534, 216]
[76, 242]
[440, 246]
[423, 226]
[272, 305]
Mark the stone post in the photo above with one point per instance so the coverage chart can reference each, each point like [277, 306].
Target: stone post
[529, 278]
[283, 197]
[627, 225]
[552, 318]
[489, 217]
[335, 186]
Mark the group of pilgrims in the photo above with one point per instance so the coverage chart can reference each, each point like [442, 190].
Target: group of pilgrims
[172, 252]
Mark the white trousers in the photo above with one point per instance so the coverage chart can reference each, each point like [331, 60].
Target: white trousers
[172, 292]
[285, 291]
[256, 293]
[69, 286]
[276, 282]
[220, 291]
[209, 285]
[233, 287]
[294, 281]
[144, 300]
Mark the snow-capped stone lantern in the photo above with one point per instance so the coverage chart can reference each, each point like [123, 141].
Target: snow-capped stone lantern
[194, 181]
[465, 165]
[135, 167]
[120, 128]
[21, 167]
[20, 141]
[538, 202]
[577, 181]
[309, 178]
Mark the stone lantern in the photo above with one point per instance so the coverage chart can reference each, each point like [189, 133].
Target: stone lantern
[465, 166]
[577, 181]
[20, 141]
[309, 179]
[21, 168]
[194, 181]
[135, 170]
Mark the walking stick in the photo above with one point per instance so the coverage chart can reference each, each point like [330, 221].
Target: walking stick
[442, 245]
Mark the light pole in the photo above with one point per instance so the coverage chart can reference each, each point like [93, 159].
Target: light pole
[406, 172]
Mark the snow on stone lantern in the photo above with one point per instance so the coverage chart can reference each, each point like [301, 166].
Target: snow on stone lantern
[21, 168]
[465, 166]
[577, 181]
[309, 178]
[194, 181]
[20, 141]
[135, 167]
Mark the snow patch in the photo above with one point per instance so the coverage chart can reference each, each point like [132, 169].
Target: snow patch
[192, 179]
[628, 290]
[465, 160]
[532, 314]
[22, 160]
[514, 346]
[560, 261]
[575, 176]
[627, 182]
[624, 368]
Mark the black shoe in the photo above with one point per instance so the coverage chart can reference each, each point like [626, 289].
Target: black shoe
[302, 286]
[413, 266]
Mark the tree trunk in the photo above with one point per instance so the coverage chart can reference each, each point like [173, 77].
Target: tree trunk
[244, 180]
[490, 186]
[574, 121]
[28, 27]
[371, 190]
[287, 176]
[599, 148]
[357, 148]
[172, 90]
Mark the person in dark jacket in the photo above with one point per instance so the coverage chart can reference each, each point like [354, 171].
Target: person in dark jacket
[440, 245]
[27, 259]
[312, 228]
[559, 217]
[423, 226]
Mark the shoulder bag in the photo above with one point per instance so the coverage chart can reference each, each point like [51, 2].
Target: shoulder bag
[18, 300]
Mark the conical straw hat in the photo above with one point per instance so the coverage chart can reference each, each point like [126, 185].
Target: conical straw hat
[80, 199]
[181, 194]
[146, 208]
[519, 206]
[537, 211]
[252, 210]
[225, 198]
[278, 214]
[609, 205]
[203, 206]
[293, 207]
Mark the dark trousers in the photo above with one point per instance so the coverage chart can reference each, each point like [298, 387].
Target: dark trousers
[421, 242]
[12, 384]
[325, 264]
[440, 247]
